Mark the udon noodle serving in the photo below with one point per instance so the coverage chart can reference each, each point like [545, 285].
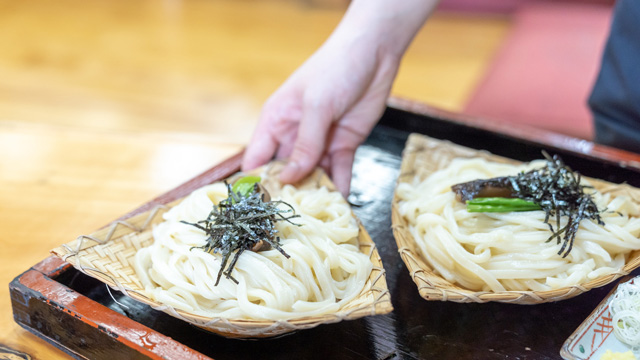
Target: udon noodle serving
[315, 267]
[513, 250]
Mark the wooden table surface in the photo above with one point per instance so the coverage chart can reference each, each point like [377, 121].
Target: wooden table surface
[106, 104]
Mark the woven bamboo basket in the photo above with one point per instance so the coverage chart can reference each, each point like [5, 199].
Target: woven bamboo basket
[421, 157]
[108, 254]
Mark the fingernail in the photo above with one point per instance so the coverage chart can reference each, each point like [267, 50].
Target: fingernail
[290, 171]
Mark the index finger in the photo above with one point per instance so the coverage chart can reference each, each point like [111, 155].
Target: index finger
[262, 146]
[310, 143]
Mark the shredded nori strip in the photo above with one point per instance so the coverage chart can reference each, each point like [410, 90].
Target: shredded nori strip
[557, 189]
[238, 223]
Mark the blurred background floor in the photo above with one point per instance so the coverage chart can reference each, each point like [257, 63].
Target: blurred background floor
[105, 104]
[189, 66]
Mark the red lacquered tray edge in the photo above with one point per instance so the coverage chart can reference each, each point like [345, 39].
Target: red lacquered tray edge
[49, 309]
[587, 149]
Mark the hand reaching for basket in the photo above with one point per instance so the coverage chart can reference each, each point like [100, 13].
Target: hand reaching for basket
[326, 109]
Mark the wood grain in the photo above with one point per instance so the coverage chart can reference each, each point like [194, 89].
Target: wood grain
[106, 104]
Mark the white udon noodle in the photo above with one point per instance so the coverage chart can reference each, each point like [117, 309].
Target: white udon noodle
[325, 269]
[508, 251]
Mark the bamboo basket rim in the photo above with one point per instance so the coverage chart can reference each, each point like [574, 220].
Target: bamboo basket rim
[112, 241]
[431, 285]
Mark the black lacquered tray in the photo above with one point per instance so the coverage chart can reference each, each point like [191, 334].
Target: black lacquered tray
[416, 329]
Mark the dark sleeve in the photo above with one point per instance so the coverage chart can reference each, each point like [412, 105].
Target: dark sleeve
[615, 100]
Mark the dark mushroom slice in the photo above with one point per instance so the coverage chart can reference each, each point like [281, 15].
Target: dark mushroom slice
[495, 187]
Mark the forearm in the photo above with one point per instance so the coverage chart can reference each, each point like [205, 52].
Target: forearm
[389, 24]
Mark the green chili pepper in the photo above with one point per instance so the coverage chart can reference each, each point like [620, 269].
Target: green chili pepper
[498, 204]
[245, 185]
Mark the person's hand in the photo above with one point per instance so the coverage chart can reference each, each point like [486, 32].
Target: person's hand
[324, 111]
[328, 107]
